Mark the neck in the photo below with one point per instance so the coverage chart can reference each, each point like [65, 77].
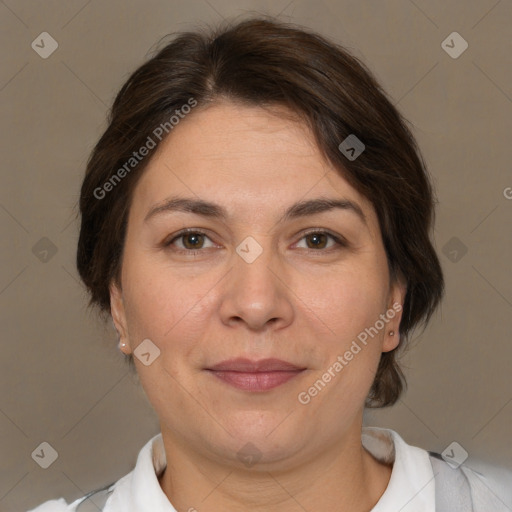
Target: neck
[343, 477]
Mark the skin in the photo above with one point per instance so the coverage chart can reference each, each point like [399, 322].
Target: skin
[299, 301]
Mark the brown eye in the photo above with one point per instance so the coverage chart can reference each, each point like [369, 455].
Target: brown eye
[193, 240]
[189, 242]
[318, 240]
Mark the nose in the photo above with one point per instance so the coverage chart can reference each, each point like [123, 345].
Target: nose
[256, 293]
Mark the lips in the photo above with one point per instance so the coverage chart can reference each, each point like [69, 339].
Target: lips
[248, 366]
[250, 375]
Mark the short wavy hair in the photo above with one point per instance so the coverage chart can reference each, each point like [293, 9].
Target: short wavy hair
[261, 61]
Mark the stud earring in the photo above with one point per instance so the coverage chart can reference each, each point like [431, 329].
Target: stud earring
[122, 344]
[391, 333]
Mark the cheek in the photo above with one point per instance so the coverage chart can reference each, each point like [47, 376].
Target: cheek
[349, 301]
[163, 305]
[349, 304]
[171, 311]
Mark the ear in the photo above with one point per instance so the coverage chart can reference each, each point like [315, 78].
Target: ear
[397, 291]
[117, 311]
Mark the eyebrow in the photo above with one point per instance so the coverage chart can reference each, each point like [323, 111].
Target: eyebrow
[297, 210]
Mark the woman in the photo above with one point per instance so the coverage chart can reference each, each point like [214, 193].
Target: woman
[256, 219]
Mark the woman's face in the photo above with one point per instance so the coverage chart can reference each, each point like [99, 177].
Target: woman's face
[253, 282]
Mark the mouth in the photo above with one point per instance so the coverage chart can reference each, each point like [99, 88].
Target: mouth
[255, 376]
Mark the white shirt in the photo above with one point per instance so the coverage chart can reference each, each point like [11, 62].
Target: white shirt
[411, 487]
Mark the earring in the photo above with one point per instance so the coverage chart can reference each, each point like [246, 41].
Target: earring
[122, 344]
[391, 333]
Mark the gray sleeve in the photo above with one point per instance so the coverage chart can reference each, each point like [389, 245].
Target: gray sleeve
[453, 493]
[484, 497]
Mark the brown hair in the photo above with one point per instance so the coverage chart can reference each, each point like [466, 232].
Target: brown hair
[264, 62]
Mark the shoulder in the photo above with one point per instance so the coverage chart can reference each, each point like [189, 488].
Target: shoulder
[59, 505]
[480, 487]
[91, 501]
[463, 488]
[150, 455]
[490, 490]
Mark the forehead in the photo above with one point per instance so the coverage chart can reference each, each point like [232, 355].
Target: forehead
[237, 139]
[247, 158]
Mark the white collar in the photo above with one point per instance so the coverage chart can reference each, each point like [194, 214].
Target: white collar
[411, 487]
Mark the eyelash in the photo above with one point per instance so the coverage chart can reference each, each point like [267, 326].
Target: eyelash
[340, 241]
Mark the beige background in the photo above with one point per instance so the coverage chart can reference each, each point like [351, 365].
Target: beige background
[62, 380]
